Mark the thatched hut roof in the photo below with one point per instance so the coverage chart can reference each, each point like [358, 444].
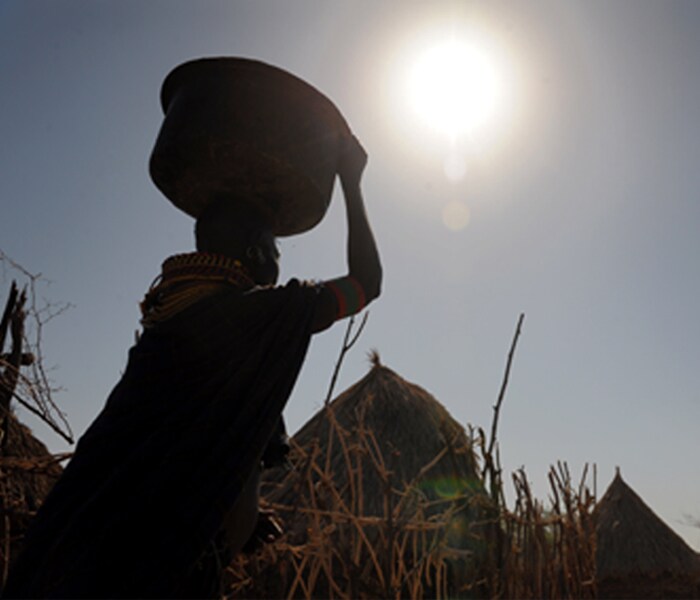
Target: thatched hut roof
[633, 541]
[28, 471]
[392, 432]
[383, 448]
[383, 500]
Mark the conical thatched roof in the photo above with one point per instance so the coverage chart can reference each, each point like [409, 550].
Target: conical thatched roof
[29, 469]
[383, 501]
[411, 435]
[27, 473]
[632, 540]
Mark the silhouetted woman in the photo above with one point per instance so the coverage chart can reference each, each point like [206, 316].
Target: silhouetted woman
[162, 489]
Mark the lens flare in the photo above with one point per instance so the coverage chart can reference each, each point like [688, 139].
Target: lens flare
[456, 215]
[450, 488]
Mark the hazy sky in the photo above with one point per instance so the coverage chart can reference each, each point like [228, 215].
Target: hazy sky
[582, 198]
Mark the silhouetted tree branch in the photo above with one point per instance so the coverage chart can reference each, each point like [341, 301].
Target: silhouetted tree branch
[348, 342]
[25, 316]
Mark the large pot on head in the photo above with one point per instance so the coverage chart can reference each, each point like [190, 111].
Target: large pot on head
[246, 131]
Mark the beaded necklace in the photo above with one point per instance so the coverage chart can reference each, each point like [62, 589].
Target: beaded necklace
[186, 279]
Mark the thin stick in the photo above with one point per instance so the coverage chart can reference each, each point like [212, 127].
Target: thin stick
[9, 307]
[41, 415]
[347, 344]
[504, 385]
[37, 386]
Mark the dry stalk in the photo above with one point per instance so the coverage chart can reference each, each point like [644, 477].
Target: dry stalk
[346, 553]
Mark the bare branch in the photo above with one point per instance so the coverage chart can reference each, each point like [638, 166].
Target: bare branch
[34, 390]
[504, 385]
[348, 343]
[35, 411]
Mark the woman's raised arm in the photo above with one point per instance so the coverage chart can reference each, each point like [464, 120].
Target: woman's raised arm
[362, 284]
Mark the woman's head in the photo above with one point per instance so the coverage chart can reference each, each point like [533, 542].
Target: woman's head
[238, 230]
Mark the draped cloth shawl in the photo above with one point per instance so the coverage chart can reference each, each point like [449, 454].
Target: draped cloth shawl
[167, 457]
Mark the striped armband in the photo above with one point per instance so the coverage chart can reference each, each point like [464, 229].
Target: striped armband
[349, 295]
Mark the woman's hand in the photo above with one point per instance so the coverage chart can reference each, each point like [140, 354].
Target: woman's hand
[352, 163]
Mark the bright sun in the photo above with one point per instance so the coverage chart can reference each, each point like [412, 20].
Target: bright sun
[455, 88]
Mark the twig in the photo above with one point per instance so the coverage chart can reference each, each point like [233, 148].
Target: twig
[9, 308]
[348, 343]
[67, 437]
[504, 385]
[13, 319]
[35, 389]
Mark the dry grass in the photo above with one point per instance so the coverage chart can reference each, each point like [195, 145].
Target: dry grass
[460, 545]
[548, 553]
[334, 549]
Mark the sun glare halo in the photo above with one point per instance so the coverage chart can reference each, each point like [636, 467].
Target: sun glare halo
[454, 87]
